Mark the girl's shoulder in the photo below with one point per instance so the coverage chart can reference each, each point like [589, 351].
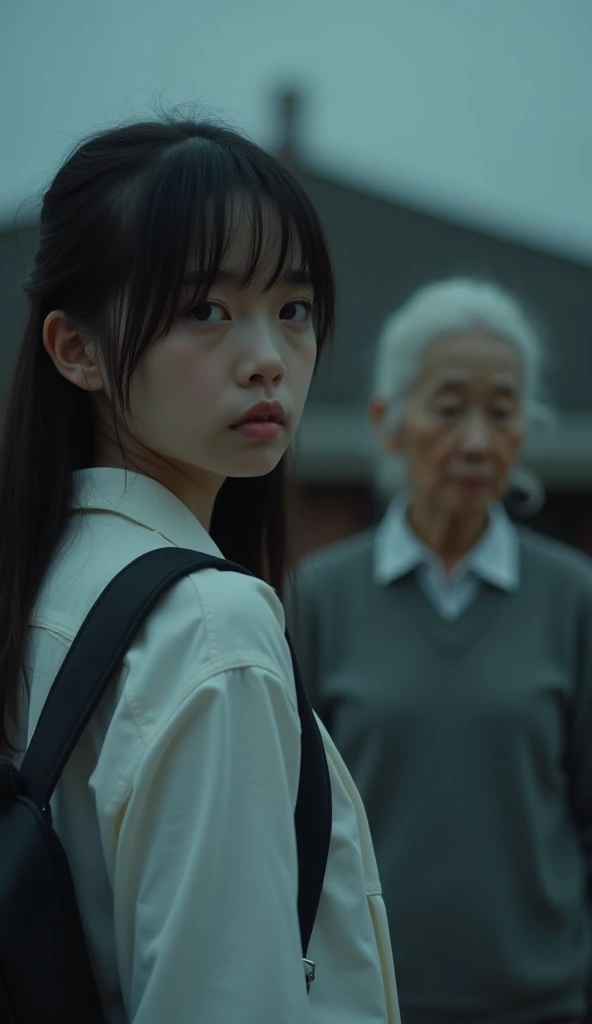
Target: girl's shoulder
[207, 624]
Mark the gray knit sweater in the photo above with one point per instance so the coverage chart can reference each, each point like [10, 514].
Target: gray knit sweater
[471, 744]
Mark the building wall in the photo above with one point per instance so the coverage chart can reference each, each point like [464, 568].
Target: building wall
[383, 252]
[325, 513]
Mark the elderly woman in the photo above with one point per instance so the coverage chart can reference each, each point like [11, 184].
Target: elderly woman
[450, 655]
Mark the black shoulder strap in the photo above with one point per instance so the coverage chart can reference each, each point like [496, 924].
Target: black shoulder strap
[93, 659]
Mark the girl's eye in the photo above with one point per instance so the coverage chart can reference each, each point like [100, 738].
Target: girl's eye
[297, 312]
[208, 313]
[502, 413]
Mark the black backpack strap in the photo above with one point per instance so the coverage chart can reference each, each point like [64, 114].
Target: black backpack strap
[91, 662]
[313, 817]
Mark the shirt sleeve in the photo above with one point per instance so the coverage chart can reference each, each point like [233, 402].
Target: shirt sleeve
[205, 871]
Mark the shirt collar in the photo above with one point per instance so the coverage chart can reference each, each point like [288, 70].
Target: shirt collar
[397, 550]
[141, 500]
[495, 558]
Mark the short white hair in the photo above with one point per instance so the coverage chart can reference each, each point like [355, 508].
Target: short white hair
[453, 306]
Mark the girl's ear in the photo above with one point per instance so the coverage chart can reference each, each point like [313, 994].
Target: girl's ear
[390, 440]
[71, 352]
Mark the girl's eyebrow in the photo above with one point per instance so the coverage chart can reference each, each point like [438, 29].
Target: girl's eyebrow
[230, 276]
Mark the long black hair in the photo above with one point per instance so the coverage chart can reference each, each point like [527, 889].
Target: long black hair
[124, 215]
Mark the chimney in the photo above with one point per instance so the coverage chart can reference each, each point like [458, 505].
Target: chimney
[289, 107]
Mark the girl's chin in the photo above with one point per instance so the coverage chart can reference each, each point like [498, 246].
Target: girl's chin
[257, 464]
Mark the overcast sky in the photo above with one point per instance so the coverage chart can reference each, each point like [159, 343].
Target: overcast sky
[481, 107]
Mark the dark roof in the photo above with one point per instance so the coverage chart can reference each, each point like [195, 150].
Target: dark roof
[383, 251]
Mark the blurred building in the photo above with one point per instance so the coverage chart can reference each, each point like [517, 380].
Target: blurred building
[383, 251]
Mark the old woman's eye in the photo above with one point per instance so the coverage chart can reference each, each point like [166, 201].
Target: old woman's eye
[448, 411]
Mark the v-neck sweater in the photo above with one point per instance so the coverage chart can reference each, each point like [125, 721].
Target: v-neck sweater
[471, 744]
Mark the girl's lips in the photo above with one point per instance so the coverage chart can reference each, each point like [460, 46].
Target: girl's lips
[265, 410]
[259, 430]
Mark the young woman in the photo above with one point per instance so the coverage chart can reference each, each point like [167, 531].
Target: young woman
[180, 294]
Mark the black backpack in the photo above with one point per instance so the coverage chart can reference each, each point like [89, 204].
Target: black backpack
[45, 969]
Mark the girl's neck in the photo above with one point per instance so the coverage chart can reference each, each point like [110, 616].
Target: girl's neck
[196, 489]
[450, 537]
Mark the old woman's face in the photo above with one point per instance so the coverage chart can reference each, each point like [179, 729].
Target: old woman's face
[463, 423]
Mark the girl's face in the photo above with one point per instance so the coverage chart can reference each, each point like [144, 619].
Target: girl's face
[222, 393]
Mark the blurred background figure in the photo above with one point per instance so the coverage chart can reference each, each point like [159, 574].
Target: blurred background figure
[450, 655]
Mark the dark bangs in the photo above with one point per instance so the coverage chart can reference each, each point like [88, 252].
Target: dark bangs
[182, 215]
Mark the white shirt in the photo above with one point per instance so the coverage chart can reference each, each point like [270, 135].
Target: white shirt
[176, 809]
[494, 559]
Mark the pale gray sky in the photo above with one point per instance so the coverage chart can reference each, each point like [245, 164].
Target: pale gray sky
[480, 107]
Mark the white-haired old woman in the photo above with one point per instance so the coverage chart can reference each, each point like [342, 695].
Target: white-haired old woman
[450, 654]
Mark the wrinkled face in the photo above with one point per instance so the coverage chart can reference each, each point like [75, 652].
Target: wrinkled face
[463, 423]
[223, 391]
